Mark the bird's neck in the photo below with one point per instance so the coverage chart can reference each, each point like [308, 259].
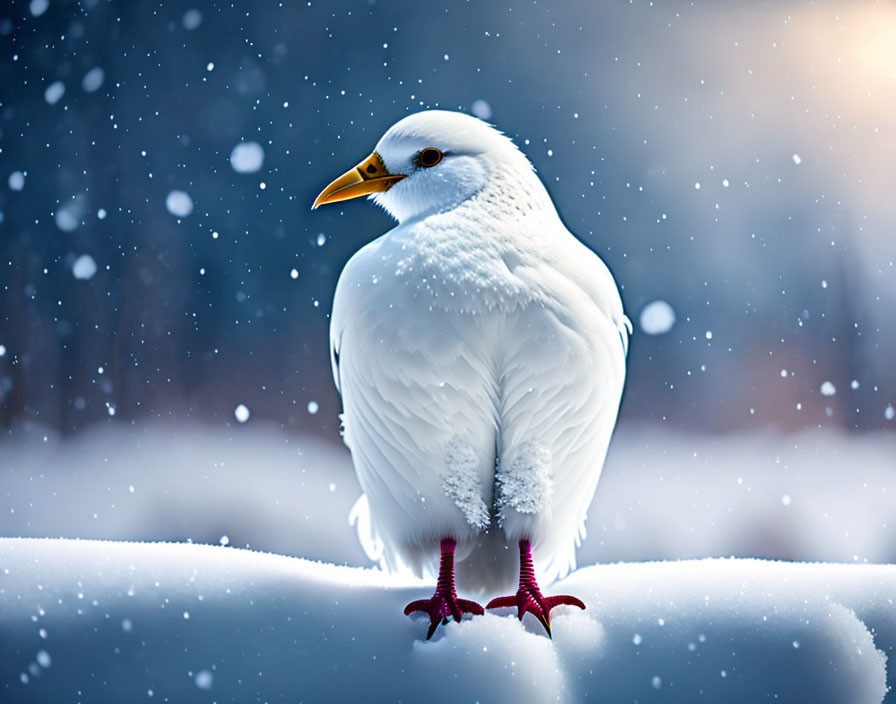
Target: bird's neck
[469, 256]
[514, 193]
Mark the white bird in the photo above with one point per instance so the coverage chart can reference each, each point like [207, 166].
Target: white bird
[479, 349]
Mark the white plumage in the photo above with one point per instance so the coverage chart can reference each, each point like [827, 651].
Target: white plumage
[479, 349]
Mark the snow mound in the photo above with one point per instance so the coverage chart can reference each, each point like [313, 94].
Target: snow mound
[112, 621]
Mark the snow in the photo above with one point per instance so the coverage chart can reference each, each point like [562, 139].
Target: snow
[828, 389]
[38, 7]
[16, 181]
[461, 483]
[247, 157]
[524, 481]
[93, 79]
[68, 217]
[84, 267]
[179, 203]
[663, 495]
[241, 413]
[107, 620]
[179, 481]
[481, 109]
[192, 19]
[54, 92]
[204, 679]
[657, 317]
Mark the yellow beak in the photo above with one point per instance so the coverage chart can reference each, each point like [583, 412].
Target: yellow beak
[370, 176]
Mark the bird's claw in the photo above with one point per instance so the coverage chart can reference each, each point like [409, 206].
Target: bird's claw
[442, 607]
[530, 598]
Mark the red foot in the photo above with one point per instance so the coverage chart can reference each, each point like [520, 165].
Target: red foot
[441, 607]
[444, 602]
[529, 597]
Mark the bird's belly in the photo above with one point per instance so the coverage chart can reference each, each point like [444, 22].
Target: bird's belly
[464, 423]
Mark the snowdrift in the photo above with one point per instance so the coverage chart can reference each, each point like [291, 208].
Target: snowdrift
[663, 494]
[98, 621]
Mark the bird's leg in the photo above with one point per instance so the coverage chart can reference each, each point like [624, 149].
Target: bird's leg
[529, 597]
[444, 602]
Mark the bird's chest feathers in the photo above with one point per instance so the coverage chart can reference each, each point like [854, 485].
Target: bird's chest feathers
[465, 270]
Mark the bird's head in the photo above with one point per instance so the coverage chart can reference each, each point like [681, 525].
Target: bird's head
[433, 161]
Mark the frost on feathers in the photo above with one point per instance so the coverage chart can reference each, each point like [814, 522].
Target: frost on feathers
[461, 483]
[524, 479]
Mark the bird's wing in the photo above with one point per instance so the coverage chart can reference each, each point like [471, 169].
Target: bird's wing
[335, 343]
[415, 407]
[606, 330]
[565, 387]
[593, 277]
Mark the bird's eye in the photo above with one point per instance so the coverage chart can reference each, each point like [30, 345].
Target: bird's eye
[429, 157]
